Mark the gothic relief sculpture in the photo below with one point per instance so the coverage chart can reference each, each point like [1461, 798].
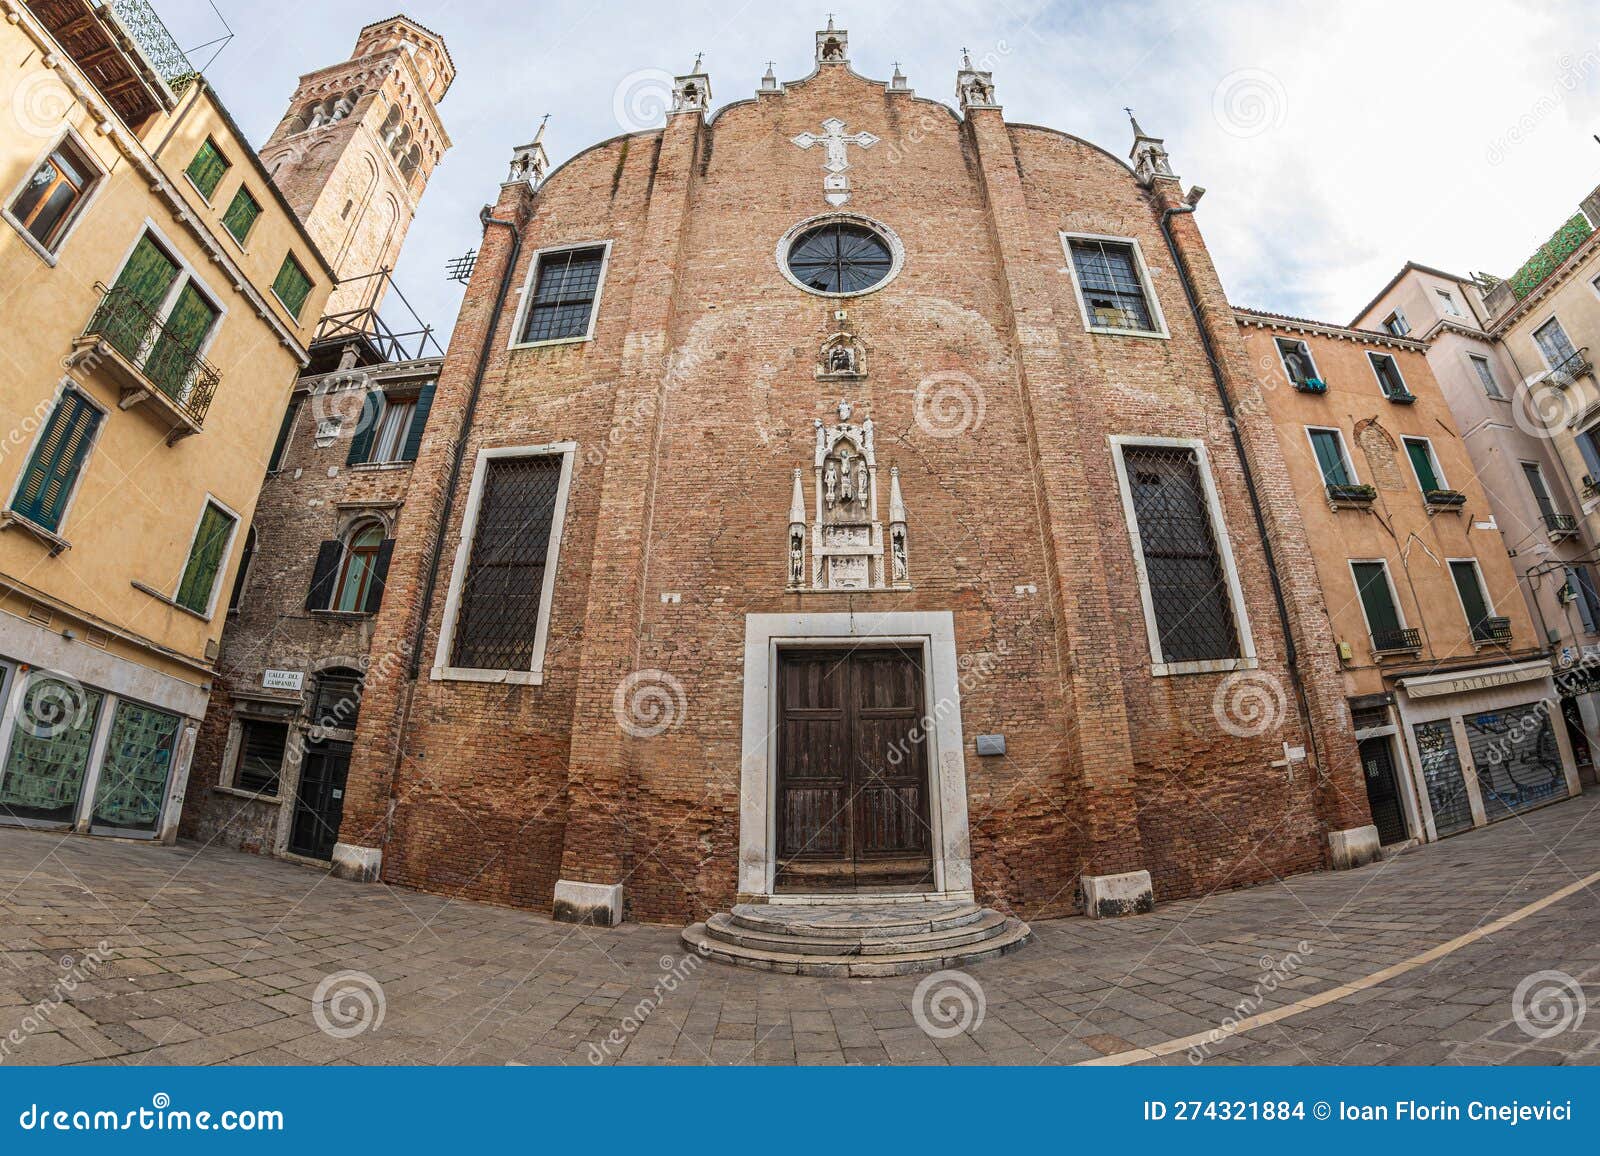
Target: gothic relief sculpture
[843, 356]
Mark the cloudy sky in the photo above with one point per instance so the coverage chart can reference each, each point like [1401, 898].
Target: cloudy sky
[1336, 140]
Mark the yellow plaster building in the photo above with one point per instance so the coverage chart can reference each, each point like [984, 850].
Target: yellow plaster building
[159, 299]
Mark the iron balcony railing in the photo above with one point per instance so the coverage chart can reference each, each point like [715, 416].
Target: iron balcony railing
[1571, 368]
[154, 40]
[1492, 630]
[166, 362]
[1560, 525]
[1388, 641]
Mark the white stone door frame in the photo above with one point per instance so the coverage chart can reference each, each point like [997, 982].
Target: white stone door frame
[934, 632]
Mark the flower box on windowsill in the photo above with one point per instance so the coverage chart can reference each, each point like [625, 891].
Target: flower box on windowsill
[1407, 398]
[1312, 385]
[1444, 499]
[1492, 632]
[1351, 496]
[1407, 641]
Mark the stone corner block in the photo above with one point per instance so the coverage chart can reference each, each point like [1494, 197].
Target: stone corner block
[1353, 848]
[596, 904]
[360, 864]
[1108, 896]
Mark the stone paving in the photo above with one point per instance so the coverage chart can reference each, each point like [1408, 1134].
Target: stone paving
[113, 952]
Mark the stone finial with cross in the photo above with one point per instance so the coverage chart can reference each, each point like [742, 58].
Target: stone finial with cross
[835, 184]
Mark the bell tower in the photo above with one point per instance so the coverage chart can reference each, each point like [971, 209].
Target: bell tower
[355, 150]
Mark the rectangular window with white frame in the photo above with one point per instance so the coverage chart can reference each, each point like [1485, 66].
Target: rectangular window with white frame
[1113, 285]
[1476, 604]
[257, 757]
[1387, 370]
[207, 560]
[1380, 608]
[1189, 586]
[561, 297]
[53, 196]
[1447, 303]
[497, 614]
[1333, 460]
[1297, 361]
[1397, 324]
[1480, 366]
[1425, 465]
[49, 482]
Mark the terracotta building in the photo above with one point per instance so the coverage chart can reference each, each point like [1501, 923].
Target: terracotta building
[161, 298]
[835, 495]
[1514, 455]
[273, 753]
[1449, 684]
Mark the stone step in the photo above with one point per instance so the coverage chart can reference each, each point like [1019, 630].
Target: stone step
[1012, 935]
[853, 923]
[988, 925]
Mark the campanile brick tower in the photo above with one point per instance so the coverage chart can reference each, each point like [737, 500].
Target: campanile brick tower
[354, 152]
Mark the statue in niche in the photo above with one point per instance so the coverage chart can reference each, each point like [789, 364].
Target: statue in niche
[897, 551]
[830, 482]
[797, 556]
[847, 475]
[979, 93]
[861, 480]
[832, 49]
[842, 360]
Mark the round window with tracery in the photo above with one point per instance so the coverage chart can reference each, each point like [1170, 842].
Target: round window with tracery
[839, 257]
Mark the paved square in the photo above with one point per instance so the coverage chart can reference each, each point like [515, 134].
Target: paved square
[113, 952]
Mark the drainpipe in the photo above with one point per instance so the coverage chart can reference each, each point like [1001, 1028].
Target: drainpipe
[1291, 653]
[432, 572]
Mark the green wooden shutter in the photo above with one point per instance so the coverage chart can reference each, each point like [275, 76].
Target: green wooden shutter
[1382, 617]
[323, 575]
[292, 285]
[54, 466]
[275, 462]
[141, 287]
[380, 576]
[1330, 457]
[207, 168]
[1471, 591]
[366, 428]
[1422, 462]
[241, 215]
[172, 358]
[419, 421]
[205, 559]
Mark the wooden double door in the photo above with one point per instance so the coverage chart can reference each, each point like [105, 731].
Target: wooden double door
[852, 784]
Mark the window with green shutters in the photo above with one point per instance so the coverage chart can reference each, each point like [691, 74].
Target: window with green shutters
[206, 556]
[57, 461]
[292, 285]
[1329, 447]
[207, 168]
[1377, 599]
[241, 215]
[1470, 586]
[1421, 454]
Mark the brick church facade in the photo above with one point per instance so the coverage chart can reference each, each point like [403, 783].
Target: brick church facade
[847, 492]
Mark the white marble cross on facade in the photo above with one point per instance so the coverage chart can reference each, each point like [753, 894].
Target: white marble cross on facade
[835, 185]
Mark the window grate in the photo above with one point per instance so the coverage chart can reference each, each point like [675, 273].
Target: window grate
[498, 620]
[563, 296]
[338, 702]
[1193, 610]
[1111, 286]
